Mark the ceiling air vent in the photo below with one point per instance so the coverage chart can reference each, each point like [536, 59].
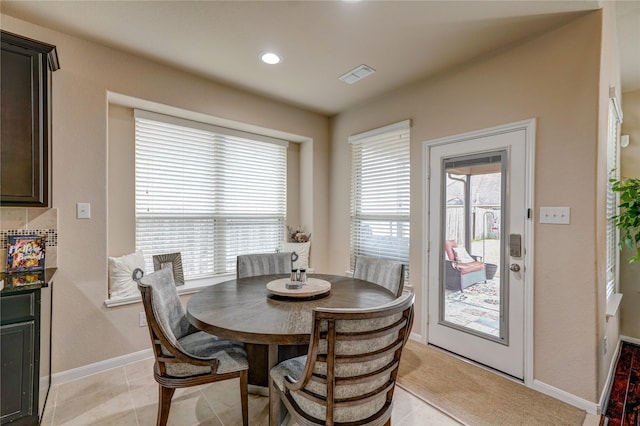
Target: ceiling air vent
[357, 74]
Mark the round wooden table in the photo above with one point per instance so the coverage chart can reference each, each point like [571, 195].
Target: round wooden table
[244, 310]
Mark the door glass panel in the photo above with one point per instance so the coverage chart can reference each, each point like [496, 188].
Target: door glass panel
[472, 282]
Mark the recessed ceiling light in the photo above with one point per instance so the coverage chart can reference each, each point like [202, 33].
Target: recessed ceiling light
[270, 58]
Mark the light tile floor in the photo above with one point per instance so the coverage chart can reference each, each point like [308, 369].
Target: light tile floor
[127, 396]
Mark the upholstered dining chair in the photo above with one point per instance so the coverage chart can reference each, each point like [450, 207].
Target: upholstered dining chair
[349, 373]
[185, 356]
[251, 265]
[384, 272]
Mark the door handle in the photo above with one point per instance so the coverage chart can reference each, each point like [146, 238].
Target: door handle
[514, 267]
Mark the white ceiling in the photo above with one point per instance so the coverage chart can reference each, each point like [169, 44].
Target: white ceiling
[403, 41]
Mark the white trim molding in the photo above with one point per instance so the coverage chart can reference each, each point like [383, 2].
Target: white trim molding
[100, 366]
[571, 399]
[604, 396]
[630, 339]
[613, 303]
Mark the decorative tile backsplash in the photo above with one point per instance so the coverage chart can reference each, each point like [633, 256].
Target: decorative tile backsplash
[52, 235]
[20, 221]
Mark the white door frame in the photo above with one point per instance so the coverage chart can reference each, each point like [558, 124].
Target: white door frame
[529, 127]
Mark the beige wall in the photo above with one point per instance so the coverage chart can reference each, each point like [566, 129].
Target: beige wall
[553, 78]
[630, 168]
[84, 330]
[609, 79]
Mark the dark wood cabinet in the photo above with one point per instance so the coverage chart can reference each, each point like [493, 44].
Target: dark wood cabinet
[25, 120]
[17, 354]
[25, 349]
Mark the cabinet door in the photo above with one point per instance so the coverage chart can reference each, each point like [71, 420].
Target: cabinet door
[16, 373]
[23, 144]
[24, 125]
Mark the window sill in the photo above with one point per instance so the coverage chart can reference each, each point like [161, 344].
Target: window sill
[189, 287]
[613, 304]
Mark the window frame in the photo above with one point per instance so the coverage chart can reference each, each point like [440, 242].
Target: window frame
[612, 259]
[386, 216]
[225, 137]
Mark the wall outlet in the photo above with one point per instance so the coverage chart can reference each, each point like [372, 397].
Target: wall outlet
[143, 319]
[605, 345]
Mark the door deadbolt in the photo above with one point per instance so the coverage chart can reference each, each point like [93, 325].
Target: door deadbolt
[515, 245]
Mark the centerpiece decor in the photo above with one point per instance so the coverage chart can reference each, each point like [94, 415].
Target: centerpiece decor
[296, 235]
[299, 245]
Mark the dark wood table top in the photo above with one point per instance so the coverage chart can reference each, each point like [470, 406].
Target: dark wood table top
[244, 310]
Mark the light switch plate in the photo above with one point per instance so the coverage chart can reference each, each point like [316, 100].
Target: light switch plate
[555, 215]
[83, 211]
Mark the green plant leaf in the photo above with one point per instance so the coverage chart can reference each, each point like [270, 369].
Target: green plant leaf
[628, 220]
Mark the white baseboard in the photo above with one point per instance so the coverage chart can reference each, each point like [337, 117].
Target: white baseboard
[98, 367]
[418, 338]
[588, 406]
[630, 340]
[604, 396]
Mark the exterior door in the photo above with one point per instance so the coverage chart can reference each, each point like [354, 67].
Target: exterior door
[478, 201]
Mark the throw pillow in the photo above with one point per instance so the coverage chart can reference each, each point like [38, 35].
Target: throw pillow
[462, 256]
[301, 251]
[121, 283]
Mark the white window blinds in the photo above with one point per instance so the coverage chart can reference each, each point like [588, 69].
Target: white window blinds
[380, 193]
[612, 199]
[207, 192]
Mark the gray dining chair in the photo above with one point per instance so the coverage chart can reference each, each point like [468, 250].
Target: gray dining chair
[185, 356]
[349, 373]
[251, 265]
[386, 273]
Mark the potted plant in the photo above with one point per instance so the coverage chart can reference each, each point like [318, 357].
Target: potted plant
[628, 220]
[296, 235]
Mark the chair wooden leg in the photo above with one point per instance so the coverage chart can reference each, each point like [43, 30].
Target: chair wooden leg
[274, 404]
[164, 404]
[244, 396]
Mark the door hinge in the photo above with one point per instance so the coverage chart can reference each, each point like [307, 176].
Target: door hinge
[528, 213]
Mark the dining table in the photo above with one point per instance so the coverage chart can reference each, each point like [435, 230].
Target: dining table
[274, 327]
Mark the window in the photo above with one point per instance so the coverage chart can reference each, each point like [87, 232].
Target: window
[380, 193]
[207, 192]
[615, 118]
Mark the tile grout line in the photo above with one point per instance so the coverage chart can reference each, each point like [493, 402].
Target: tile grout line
[133, 404]
[55, 404]
[215, 413]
